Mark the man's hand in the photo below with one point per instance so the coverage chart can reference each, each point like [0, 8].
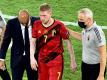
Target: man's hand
[2, 64]
[100, 77]
[73, 65]
[33, 63]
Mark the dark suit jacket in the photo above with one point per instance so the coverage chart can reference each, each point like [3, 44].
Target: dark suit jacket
[13, 32]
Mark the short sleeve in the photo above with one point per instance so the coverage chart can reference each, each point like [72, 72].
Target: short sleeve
[34, 30]
[64, 32]
[99, 37]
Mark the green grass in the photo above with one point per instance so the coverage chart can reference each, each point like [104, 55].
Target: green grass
[65, 10]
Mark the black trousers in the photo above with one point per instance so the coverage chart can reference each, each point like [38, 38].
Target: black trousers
[90, 71]
[17, 72]
[4, 75]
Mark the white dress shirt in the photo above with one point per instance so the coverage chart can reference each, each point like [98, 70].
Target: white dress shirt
[29, 30]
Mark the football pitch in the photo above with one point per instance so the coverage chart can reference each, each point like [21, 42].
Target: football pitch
[64, 10]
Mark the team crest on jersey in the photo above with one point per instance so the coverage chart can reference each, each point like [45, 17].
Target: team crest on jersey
[53, 32]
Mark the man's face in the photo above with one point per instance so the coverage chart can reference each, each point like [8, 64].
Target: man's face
[45, 16]
[82, 18]
[23, 18]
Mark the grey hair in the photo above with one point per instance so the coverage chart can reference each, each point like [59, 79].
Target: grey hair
[87, 12]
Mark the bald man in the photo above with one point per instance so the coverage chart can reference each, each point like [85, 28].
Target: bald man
[19, 31]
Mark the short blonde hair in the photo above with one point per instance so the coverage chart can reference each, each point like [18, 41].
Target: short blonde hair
[87, 12]
[45, 7]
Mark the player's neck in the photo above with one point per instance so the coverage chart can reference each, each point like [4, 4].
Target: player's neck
[49, 23]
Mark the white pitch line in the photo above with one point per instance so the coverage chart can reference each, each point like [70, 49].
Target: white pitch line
[2, 17]
[8, 16]
[65, 22]
[76, 24]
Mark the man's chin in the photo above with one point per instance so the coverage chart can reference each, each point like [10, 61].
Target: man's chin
[44, 22]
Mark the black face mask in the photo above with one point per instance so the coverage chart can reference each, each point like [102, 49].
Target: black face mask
[82, 24]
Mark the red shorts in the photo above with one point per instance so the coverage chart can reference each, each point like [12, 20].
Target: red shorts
[52, 70]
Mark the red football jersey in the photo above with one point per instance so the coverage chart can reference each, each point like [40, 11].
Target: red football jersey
[49, 39]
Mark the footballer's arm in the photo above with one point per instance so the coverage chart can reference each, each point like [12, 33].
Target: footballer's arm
[72, 56]
[33, 61]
